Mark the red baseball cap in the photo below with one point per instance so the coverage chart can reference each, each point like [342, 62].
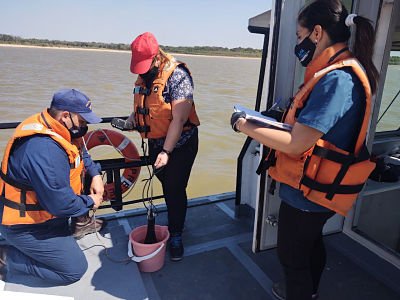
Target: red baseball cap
[144, 48]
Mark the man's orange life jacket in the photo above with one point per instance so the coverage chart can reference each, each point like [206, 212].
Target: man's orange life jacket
[20, 201]
[326, 174]
[152, 114]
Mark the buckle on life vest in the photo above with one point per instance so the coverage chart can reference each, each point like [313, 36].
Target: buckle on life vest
[268, 160]
[272, 187]
[142, 110]
[143, 128]
[142, 91]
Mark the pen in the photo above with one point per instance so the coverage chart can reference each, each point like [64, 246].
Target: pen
[275, 104]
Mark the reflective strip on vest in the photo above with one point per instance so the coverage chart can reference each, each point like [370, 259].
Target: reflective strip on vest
[33, 126]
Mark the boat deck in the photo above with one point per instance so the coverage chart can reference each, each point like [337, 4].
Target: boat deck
[218, 264]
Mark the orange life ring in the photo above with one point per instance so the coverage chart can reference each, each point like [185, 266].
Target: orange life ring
[126, 147]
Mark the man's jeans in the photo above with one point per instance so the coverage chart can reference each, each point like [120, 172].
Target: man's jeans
[45, 250]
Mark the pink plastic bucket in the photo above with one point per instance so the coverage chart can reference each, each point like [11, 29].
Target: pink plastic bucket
[150, 257]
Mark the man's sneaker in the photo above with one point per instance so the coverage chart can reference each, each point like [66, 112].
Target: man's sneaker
[175, 246]
[3, 258]
[81, 226]
[279, 291]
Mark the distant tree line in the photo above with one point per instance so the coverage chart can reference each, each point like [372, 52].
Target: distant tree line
[199, 50]
[205, 50]
[9, 39]
[394, 60]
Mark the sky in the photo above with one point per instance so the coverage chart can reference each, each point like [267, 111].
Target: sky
[220, 23]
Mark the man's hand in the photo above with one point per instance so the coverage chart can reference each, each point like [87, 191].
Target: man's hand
[97, 199]
[162, 160]
[97, 185]
[235, 118]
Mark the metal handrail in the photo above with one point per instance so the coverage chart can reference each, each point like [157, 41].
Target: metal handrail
[112, 168]
[249, 139]
[12, 125]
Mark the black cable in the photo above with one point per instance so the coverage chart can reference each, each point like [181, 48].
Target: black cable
[147, 188]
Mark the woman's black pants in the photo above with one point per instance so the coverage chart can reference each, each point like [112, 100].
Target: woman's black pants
[301, 250]
[174, 179]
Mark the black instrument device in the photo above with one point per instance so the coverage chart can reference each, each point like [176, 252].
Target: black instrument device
[122, 124]
[151, 234]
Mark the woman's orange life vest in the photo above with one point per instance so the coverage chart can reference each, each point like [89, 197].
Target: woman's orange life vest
[152, 114]
[20, 201]
[326, 174]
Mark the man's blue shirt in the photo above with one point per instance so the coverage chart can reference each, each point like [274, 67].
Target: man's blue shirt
[334, 107]
[43, 164]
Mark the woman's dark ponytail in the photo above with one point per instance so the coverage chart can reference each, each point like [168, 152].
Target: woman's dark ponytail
[364, 48]
[331, 16]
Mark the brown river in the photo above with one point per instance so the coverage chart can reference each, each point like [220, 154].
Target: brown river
[30, 76]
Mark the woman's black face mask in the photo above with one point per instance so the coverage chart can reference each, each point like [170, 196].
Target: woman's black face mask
[150, 75]
[305, 51]
[75, 131]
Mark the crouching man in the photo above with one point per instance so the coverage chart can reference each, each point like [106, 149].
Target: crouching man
[41, 188]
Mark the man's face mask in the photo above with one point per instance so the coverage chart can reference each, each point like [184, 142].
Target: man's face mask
[75, 131]
[150, 75]
[305, 51]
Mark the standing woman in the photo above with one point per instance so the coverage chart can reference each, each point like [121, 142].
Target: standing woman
[322, 163]
[165, 114]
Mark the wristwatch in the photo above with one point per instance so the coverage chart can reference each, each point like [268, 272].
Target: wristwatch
[166, 152]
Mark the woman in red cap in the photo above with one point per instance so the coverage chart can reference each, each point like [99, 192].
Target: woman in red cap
[165, 114]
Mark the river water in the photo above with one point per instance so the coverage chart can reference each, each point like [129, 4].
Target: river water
[30, 76]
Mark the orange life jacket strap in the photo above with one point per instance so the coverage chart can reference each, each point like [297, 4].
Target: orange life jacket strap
[323, 188]
[142, 110]
[267, 161]
[189, 124]
[346, 161]
[141, 91]
[145, 129]
[342, 158]
[333, 155]
[15, 183]
[22, 206]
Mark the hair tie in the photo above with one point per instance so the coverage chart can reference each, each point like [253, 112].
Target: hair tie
[350, 20]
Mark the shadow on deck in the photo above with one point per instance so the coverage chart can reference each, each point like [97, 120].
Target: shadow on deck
[218, 264]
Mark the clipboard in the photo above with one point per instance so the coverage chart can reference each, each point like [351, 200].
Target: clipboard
[261, 120]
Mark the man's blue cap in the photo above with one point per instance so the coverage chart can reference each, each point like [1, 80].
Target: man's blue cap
[75, 101]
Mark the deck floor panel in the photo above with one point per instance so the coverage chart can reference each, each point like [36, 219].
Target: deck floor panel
[104, 279]
[215, 274]
[203, 224]
[267, 260]
[218, 264]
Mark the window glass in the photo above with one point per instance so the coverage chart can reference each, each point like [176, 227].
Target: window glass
[389, 112]
[347, 3]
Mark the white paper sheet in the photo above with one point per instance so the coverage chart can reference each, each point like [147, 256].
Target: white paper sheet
[261, 120]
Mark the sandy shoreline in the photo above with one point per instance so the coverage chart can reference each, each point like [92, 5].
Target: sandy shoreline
[112, 50]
